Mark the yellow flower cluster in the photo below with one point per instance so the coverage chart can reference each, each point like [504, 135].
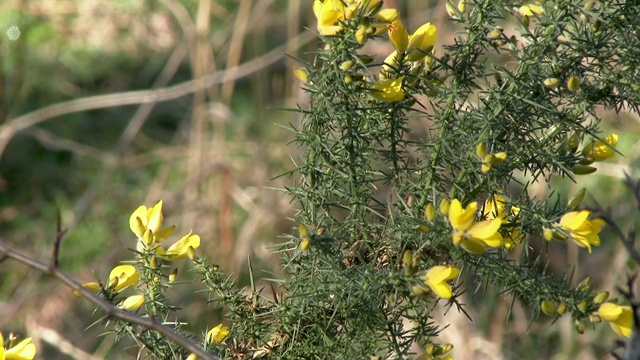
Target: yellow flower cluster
[596, 150]
[577, 226]
[619, 317]
[475, 237]
[496, 208]
[24, 350]
[489, 160]
[437, 352]
[437, 280]
[146, 224]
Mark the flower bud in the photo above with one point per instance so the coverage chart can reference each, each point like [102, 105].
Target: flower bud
[583, 305]
[361, 35]
[481, 150]
[304, 244]
[191, 253]
[586, 160]
[583, 170]
[321, 230]
[387, 15]
[173, 275]
[600, 297]
[301, 74]
[551, 83]
[424, 229]
[346, 65]
[444, 207]
[595, 318]
[548, 308]
[576, 200]
[430, 212]
[562, 308]
[407, 258]
[547, 234]
[303, 231]
[590, 5]
[573, 142]
[462, 6]
[154, 262]
[579, 326]
[573, 83]
[584, 285]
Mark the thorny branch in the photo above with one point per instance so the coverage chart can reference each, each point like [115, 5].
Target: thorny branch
[110, 310]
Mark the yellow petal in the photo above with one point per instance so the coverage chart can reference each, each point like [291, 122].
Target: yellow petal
[137, 220]
[217, 334]
[126, 276]
[422, 41]
[485, 229]
[24, 350]
[441, 289]
[389, 90]
[398, 35]
[180, 249]
[132, 303]
[155, 219]
[388, 15]
[574, 219]
[474, 246]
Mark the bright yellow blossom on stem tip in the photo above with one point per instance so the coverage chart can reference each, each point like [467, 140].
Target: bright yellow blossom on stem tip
[389, 90]
[495, 208]
[473, 237]
[180, 249]
[619, 317]
[436, 279]
[531, 9]
[329, 13]
[123, 276]
[582, 231]
[146, 224]
[24, 350]
[599, 150]
[398, 35]
[421, 42]
[132, 303]
[217, 334]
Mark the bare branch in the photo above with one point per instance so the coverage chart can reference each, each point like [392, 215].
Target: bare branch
[110, 310]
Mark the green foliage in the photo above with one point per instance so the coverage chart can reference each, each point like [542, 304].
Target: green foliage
[466, 128]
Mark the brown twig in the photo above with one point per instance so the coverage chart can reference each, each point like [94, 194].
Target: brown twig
[13, 126]
[110, 310]
[56, 242]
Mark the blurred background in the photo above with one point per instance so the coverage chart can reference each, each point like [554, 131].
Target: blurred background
[109, 104]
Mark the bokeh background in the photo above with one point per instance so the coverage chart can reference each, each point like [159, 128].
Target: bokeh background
[109, 104]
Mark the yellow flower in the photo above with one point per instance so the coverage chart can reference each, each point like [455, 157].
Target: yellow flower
[619, 317]
[473, 237]
[24, 350]
[123, 276]
[388, 15]
[582, 231]
[328, 13]
[437, 352]
[146, 222]
[132, 302]
[494, 208]
[530, 9]
[192, 357]
[180, 249]
[217, 334]
[398, 35]
[389, 90]
[421, 42]
[600, 151]
[91, 286]
[436, 279]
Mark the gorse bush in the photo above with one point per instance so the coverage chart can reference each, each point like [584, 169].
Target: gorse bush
[414, 179]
